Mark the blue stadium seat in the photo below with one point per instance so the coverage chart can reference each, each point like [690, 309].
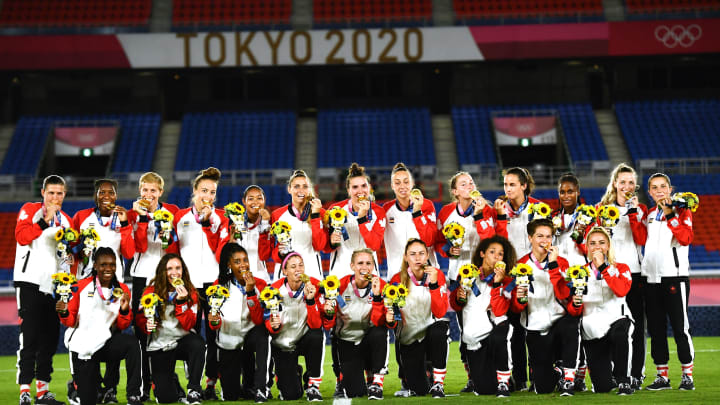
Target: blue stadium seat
[692, 127]
[375, 137]
[237, 141]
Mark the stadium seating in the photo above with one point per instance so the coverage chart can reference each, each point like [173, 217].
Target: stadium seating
[237, 141]
[231, 14]
[75, 13]
[371, 13]
[692, 127]
[134, 149]
[526, 11]
[664, 9]
[375, 137]
[475, 141]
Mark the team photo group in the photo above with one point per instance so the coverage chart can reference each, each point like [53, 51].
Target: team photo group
[542, 297]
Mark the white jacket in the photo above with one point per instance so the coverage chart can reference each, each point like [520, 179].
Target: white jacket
[666, 249]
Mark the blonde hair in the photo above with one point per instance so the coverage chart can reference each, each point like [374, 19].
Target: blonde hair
[152, 178]
[611, 250]
[610, 196]
[453, 181]
[357, 252]
[300, 173]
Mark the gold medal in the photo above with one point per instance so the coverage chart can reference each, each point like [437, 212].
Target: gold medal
[177, 282]
[117, 293]
[500, 265]
[416, 193]
[304, 278]
[475, 194]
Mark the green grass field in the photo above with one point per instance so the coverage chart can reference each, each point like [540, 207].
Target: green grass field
[707, 376]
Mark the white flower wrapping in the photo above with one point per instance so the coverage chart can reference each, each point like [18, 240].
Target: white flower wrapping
[215, 304]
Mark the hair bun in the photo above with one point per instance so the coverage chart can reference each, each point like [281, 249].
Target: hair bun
[211, 173]
[399, 166]
[356, 170]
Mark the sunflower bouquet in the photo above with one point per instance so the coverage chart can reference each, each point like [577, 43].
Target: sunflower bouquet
[454, 233]
[330, 289]
[577, 276]
[89, 239]
[686, 200]
[64, 284]
[151, 305]
[164, 227]
[271, 300]
[467, 272]
[236, 213]
[64, 238]
[216, 296]
[280, 230]
[538, 210]
[586, 215]
[609, 215]
[336, 217]
[394, 297]
[523, 275]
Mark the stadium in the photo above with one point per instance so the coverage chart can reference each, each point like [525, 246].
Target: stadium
[258, 88]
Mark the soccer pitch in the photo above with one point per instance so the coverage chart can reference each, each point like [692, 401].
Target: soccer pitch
[707, 374]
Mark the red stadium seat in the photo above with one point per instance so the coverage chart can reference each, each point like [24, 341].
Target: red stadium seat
[62, 13]
[228, 12]
[371, 11]
[493, 9]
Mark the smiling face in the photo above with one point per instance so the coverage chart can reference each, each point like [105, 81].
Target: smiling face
[294, 267]
[363, 264]
[205, 193]
[105, 267]
[416, 256]
[464, 184]
[402, 184]
[53, 194]
[659, 188]
[173, 270]
[513, 189]
[625, 183]
[598, 241]
[492, 255]
[239, 264]
[299, 189]
[568, 194]
[357, 188]
[254, 200]
[105, 198]
[151, 192]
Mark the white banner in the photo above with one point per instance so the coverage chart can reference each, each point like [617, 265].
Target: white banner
[288, 48]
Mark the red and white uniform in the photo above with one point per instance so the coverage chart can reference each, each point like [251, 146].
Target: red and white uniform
[424, 306]
[574, 252]
[363, 233]
[35, 258]
[91, 316]
[666, 249]
[629, 236]
[297, 316]
[403, 225]
[307, 238]
[483, 311]
[148, 248]
[604, 302]
[360, 312]
[517, 226]
[240, 312]
[258, 247]
[477, 227]
[120, 239]
[548, 301]
[199, 241]
[178, 322]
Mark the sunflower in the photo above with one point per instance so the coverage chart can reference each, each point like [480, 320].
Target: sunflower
[94, 234]
[234, 208]
[540, 209]
[468, 270]
[453, 231]
[402, 291]
[522, 269]
[150, 300]
[338, 213]
[613, 213]
[223, 292]
[211, 290]
[577, 272]
[331, 283]
[609, 216]
[59, 234]
[280, 227]
[65, 279]
[390, 291]
[71, 235]
[268, 293]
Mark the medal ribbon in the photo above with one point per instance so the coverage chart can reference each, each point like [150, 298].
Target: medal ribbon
[414, 279]
[239, 286]
[297, 293]
[369, 213]
[516, 213]
[113, 219]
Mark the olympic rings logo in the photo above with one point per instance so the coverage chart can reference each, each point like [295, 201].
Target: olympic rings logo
[678, 35]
